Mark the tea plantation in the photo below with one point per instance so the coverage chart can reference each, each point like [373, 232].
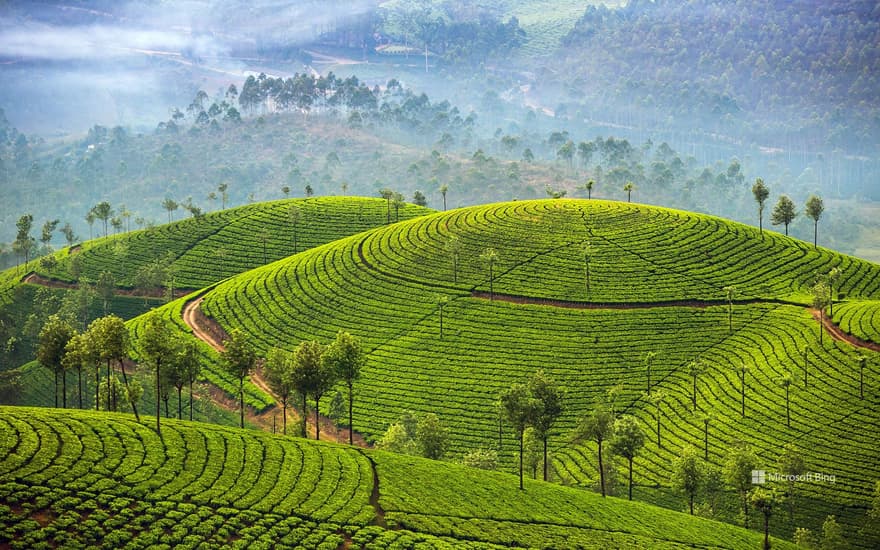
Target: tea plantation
[83, 479]
[585, 290]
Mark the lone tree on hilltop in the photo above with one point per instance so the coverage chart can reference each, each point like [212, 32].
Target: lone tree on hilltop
[346, 359]
[103, 211]
[629, 187]
[547, 397]
[239, 358]
[761, 193]
[519, 408]
[588, 187]
[170, 205]
[54, 338]
[784, 212]
[628, 439]
[813, 210]
[224, 196]
[443, 190]
[687, 474]
[278, 369]
[490, 256]
[597, 426]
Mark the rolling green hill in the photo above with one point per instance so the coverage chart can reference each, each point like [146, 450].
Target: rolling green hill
[76, 478]
[194, 252]
[657, 279]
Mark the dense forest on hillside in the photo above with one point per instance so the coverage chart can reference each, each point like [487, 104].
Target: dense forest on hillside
[788, 71]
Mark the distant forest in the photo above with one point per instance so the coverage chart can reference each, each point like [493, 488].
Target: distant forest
[771, 70]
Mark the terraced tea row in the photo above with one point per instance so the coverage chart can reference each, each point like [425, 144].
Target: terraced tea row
[220, 244]
[861, 319]
[75, 478]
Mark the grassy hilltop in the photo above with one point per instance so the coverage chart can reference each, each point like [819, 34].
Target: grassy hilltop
[77, 478]
[657, 280]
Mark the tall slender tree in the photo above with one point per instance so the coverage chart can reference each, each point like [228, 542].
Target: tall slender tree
[649, 364]
[814, 209]
[54, 338]
[628, 439]
[346, 359]
[279, 369]
[598, 426]
[784, 212]
[548, 398]
[742, 370]
[761, 193]
[737, 472]
[490, 256]
[157, 347]
[628, 188]
[103, 211]
[443, 190]
[294, 214]
[239, 359]
[764, 500]
[454, 247]
[730, 294]
[687, 474]
[695, 369]
[519, 409]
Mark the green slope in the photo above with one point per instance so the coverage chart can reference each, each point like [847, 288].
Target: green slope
[75, 478]
[221, 244]
[383, 286]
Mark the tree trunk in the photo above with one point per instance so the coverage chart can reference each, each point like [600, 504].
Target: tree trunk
[128, 390]
[816, 234]
[97, 388]
[521, 436]
[158, 394]
[317, 420]
[787, 410]
[350, 424]
[601, 470]
[284, 419]
[691, 502]
[766, 531]
[545, 459]
[302, 417]
[241, 401]
[630, 477]
[190, 400]
[109, 387]
[658, 425]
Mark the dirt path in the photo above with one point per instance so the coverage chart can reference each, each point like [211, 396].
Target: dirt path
[618, 305]
[34, 279]
[838, 334]
[209, 331]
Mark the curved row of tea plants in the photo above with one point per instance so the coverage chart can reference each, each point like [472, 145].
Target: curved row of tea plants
[384, 287]
[196, 483]
[77, 478]
[861, 319]
[637, 254]
[212, 247]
